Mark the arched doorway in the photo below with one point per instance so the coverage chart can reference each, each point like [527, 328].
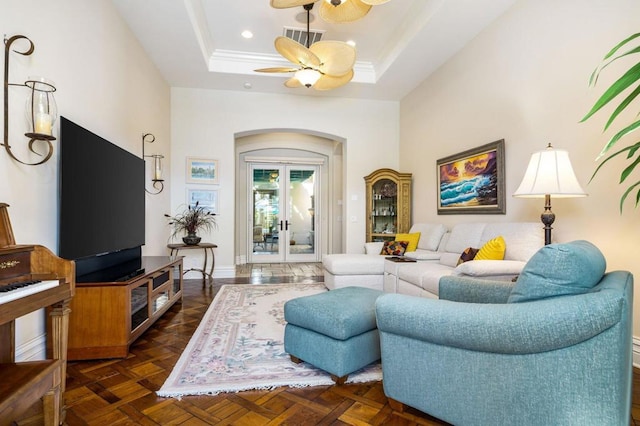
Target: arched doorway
[310, 168]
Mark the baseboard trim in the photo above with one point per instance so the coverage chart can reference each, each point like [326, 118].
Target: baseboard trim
[32, 350]
[218, 272]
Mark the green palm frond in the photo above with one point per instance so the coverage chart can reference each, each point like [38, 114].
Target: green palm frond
[630, 80]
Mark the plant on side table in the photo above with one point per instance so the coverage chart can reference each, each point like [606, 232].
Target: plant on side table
[195, 218]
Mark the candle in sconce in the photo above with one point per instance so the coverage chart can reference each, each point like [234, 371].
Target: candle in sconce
[43, 124]
[158, 169]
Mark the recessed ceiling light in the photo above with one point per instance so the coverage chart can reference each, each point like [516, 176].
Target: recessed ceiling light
[351, 43]
[247, 34]
[247, 85]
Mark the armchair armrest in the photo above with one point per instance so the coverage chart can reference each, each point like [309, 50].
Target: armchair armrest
[474, 290]
[518, 328]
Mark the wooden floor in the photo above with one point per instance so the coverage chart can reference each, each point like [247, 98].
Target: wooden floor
[122, 392]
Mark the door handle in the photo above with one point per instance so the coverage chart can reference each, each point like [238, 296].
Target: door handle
[286, 225]
[281, 225]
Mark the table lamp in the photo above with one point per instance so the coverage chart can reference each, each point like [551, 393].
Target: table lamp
[549, 173]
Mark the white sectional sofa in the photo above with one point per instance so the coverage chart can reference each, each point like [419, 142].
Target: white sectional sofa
[437, 255]
[367, 270]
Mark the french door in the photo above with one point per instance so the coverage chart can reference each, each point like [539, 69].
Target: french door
[283, 221]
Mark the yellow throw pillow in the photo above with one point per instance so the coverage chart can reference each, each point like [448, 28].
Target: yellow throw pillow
[412, 239]
[492, 250]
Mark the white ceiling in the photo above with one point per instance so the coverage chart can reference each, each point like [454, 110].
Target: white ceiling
[198, 43]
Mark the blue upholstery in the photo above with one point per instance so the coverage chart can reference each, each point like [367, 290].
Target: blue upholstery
[334, 331]
[477, 360]
[558, 270]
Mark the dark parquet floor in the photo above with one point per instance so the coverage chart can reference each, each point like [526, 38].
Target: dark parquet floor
[122, 391]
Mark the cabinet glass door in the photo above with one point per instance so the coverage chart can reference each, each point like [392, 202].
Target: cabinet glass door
[384, 210]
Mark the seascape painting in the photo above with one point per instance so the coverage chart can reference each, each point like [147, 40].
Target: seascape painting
[472, 181]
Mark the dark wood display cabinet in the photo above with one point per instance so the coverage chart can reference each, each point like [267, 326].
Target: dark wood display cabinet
[107, 316]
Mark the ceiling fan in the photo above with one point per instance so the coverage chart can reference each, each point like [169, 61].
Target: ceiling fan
[334, 11]
[324, 65]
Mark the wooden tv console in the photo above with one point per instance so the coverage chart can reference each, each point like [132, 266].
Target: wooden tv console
[106, 317]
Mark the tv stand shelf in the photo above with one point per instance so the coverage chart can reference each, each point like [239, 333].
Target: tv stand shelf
[106, 317]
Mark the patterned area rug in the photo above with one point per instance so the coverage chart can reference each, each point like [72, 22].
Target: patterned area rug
[239, 345]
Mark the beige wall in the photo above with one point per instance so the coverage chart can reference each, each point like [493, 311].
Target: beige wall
[105, 83]
[524, 79]
[205, 124]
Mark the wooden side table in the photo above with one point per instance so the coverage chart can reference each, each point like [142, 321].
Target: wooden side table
[207, 248]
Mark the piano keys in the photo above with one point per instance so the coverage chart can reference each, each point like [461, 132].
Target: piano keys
[14, 291]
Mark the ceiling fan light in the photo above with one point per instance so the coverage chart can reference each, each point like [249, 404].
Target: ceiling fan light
[307, 76]
[335, 2]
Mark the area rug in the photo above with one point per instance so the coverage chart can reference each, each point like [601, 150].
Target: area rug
[239, 345]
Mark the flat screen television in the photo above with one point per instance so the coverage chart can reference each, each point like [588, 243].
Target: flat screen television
[101, 204]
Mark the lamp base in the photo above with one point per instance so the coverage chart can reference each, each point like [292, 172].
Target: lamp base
[547, 218]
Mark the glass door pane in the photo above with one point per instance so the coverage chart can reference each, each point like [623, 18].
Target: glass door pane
[300, 220]
[266, 213]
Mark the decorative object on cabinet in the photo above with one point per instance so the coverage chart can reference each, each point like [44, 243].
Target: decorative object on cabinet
[202, 170]
[108, 315]
[388, 198]
[472, 181]
[41, 110]
[549, 173]
[195, 218]
[158, 182]
[206, 198]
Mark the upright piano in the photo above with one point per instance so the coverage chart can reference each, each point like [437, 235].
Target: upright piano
[33, 278]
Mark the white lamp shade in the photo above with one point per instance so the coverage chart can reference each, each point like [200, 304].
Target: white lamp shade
[307, 76]
[550, 173]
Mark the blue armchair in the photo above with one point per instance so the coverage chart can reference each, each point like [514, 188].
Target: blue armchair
[552, 349]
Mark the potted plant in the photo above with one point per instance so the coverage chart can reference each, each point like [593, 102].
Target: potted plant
[195, 218]
[630, 79]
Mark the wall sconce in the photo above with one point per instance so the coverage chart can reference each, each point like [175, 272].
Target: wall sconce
[158, 182]
[41, 110]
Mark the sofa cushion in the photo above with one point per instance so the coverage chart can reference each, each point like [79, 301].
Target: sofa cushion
[374, 247]
[354, 264]
[430, 235]
[523, 239]
[490, 268]
[464, 235]
[492, 250]
[412, 239]
[423, 255]
[559, 270]
[394, 248]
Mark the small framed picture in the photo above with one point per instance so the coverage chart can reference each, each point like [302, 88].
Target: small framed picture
[202, 170]
[206, 198]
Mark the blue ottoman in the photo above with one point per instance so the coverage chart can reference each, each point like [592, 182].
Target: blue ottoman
[334, 331]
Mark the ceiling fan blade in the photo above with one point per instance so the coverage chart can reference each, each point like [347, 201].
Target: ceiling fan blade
[328, 82]
[373, 2]
[348, 11]
[293, 83]
[296, 53]
[285, 4]
[337, 57]
[277, 69]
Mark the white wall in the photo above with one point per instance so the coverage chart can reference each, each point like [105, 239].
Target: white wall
[524, 79]
[106, 83]
[205, 122]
